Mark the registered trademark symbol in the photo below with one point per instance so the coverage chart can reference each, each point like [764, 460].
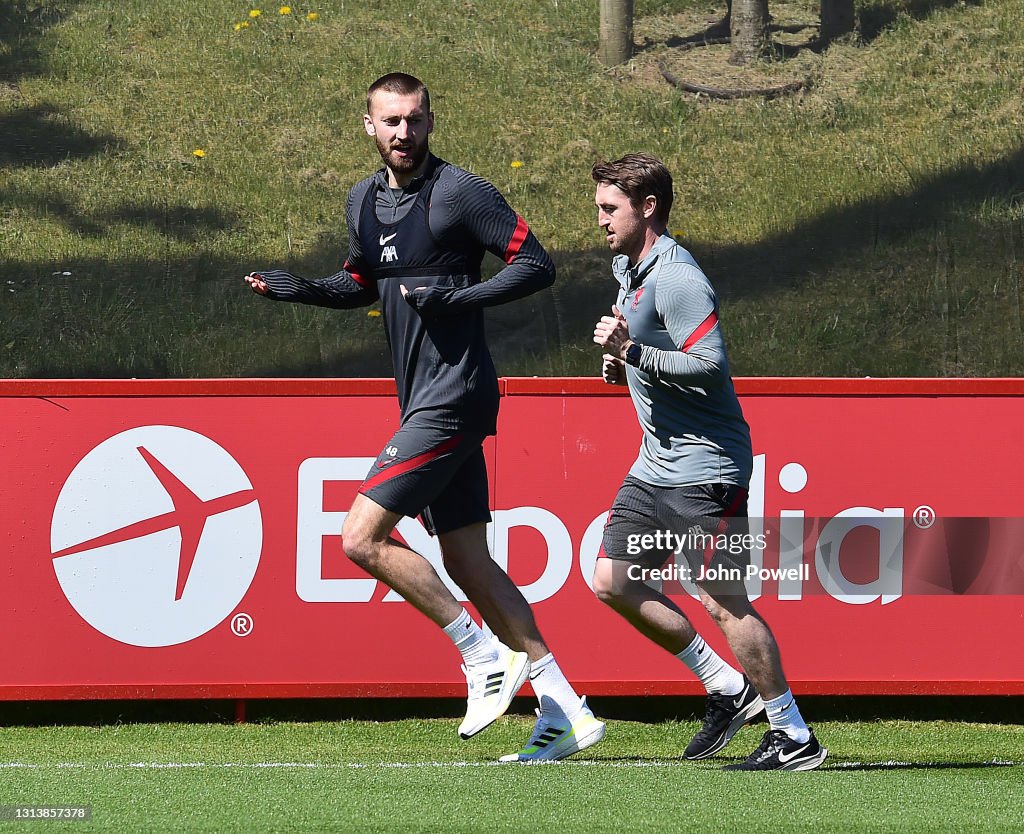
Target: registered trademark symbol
[241, 625]
[924, 517]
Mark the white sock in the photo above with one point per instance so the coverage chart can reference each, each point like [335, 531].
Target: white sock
[554, 692]
[783, 714]
[470, 640]
[717, 676]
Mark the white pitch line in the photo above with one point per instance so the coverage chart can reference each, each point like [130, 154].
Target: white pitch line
[845, 765]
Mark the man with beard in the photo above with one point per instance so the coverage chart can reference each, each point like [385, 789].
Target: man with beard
[663, 339]
[418, 230]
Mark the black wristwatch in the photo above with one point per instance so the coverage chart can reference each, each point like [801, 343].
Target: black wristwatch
[633, 353]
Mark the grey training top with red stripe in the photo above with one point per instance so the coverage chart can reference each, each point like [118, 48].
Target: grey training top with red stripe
[436, 333]
[693, 427]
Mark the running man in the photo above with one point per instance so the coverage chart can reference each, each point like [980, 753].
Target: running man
[418, 230]
[690, 480]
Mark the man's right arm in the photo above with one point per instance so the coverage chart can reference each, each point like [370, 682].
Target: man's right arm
[342, 290]
[345, 289]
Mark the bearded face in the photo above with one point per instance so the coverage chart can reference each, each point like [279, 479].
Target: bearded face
[402, 155]
[400, 126]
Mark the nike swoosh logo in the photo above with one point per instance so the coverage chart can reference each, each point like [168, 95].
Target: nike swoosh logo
[784, 758]
[384, 463]
[738, 702]
[534, 676]
[384, 240]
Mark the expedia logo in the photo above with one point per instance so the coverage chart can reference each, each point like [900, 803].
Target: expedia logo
[156, 536]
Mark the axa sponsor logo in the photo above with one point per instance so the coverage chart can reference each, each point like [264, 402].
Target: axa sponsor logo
[156, 536]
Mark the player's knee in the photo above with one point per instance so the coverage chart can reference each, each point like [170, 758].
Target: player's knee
[360, 551]
[357, 544]
[717, 612]
[604, 583]
[726, 605]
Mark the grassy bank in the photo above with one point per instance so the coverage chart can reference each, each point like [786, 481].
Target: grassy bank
[873, 225]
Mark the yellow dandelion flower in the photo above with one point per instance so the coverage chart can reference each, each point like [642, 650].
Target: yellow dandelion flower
[312, 16]
[374, 314]
[517, 163]
[198, 153]
[285, 10]
[244, 24]
[238, 26]
[254, 12]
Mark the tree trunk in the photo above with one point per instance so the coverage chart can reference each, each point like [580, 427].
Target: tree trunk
[836, 18]
[616, 32]
[749, 30]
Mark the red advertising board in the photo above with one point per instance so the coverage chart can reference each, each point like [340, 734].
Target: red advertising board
[181, 538]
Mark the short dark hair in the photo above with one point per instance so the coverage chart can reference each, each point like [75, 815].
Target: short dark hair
[401, 83]
[639, 175]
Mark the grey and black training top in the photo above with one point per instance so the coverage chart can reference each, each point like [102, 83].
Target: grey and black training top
[693, 427]
[431, 237]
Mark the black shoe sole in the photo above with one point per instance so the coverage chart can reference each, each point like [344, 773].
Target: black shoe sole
[748, 713]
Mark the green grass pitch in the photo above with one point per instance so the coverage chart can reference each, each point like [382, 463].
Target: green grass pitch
[416, 775]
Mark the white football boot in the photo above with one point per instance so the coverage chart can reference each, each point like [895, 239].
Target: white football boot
[492, 686]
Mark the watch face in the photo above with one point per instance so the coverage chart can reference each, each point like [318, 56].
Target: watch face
[633, 354]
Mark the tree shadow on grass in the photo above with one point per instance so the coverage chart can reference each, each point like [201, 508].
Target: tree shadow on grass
[38, 135]
[143, 311]
[847, 232]
[176, 222]
[874, 18]
[22, 24]
[924, 285]
[42, 136]
[877, 16]
[843, 236]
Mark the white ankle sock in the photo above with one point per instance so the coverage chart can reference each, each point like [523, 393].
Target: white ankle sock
[783, 714]
[554, 692]
[470, 640]
[717, 676]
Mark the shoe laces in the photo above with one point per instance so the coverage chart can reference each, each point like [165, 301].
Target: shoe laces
[717, 705]
[769, 744]
[544, 723]
[475, 678]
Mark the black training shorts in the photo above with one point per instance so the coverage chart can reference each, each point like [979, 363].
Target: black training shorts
[704, 524]
[434, 472]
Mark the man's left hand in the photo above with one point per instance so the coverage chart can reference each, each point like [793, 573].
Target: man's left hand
[427, 301]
